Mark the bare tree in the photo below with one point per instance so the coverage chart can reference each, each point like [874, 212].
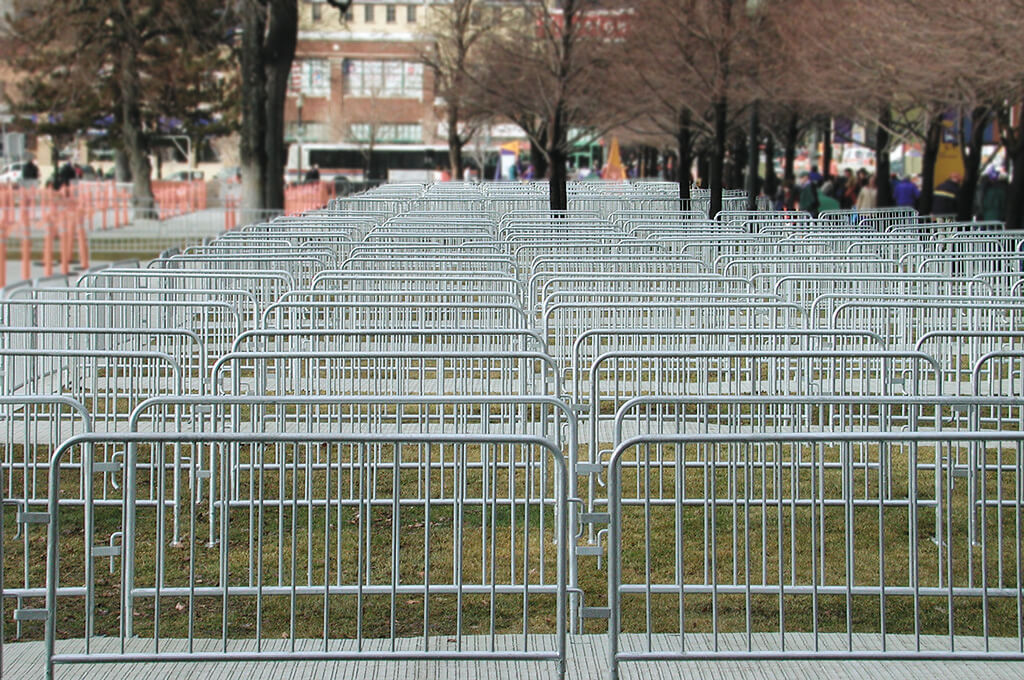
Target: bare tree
[707, 70]
[547, 71]
[269, 32]
[454, 35]
[110, 58]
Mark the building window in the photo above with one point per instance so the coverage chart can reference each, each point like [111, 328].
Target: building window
[409, 133]
[390, 79]
[389, 12]
[410, 14]
[311, 77]
[317, 11]
[368, 14]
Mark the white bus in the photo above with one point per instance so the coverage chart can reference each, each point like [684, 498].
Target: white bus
[391, 162]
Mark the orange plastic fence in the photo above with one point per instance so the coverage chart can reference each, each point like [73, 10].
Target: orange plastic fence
[301, 198]
[63, 218]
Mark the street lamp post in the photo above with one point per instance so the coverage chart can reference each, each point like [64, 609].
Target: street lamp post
[300, 100]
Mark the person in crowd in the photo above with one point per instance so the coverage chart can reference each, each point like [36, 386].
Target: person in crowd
[826, 201]
[814, 175]
[29, 174]
[868, 196]
[945, 197]
[905, 193]
[785, 197]
[827, 186]
[853, 186]
[313, 174]
[841, 183]
[808, 197]
[994, 187]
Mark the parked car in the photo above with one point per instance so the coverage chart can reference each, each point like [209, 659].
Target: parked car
[11, 173]
[185, 176]
[229, 173]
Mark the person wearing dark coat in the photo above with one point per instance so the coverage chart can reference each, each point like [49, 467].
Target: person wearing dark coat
[945, 196]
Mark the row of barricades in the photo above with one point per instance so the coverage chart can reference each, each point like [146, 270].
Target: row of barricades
[298, 199]
[302, 198]
[63, 217]
[179, 198]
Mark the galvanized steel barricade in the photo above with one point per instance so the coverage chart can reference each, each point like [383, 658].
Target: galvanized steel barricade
[563, 323]
[326, 315]
[959, 354]
[377, 373]
[261, 287]
[214, 322]
[297, 593]
[32, 426]
[615, 377]
[592, 343]
[186, 347]
[770, 573]
[902, 322]
[389, 340]
[108, 383]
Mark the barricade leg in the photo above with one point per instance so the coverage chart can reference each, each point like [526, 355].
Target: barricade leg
[26, 253]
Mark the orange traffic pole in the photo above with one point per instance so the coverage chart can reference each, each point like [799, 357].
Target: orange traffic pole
[83, 248]
[3, 255]
[26, 253]
[48, 248]
[65, 245]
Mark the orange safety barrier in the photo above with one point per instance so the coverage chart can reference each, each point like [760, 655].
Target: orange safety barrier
[301, 198]
[63, 219]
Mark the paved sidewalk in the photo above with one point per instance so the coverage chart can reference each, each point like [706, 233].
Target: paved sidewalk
[587, 660]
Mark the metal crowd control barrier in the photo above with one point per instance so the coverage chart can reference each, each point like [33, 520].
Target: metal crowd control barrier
[32, 426]
[185, 347]
[903, 322]
[214, 322]
[326, 315]
[758, 539]
[592, 343]
[377, 373]
[563, 323]
[262, 287]
[389, 340]
[107, 383]
[298, 593]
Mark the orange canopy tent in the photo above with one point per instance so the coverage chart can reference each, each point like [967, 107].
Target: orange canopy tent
[614, 169]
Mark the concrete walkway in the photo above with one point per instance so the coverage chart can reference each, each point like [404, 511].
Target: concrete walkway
[587, 659]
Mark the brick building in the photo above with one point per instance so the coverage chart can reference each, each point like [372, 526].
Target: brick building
[360, 83]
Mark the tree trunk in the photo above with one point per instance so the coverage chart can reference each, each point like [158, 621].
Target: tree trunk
[279, 51]
[882, 179]
[792, 131]
[1015, 194]
[454, 143]
[269, 34]
[252, 154]
[557, 144]
[538, 143]
[929, 157]
[971, 152]
[737, 167]
[134, 140]
[704, 168]
[122, 171]
[558, 198]
[826, 148]
[721, 110]
[771, 181]
[753, 153]
[683, 144]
